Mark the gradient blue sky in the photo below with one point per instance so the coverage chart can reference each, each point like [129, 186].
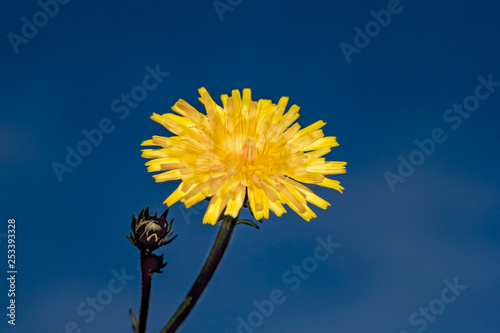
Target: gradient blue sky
[396, 248]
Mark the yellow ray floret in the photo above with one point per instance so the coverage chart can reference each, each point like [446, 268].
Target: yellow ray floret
[241, 151]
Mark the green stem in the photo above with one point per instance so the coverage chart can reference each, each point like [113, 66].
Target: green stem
[215, 256]
[146, 292]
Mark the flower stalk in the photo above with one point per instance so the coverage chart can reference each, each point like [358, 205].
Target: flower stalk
[146, 292]
[216, 253]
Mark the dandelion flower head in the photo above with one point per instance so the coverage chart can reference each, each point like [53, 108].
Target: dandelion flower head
[242, 153]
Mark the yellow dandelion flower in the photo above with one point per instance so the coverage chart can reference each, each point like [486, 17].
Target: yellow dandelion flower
[243, 152]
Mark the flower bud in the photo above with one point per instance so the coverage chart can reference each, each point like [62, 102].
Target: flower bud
[150, 232]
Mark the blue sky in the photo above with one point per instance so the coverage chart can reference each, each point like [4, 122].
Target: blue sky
[401, 245]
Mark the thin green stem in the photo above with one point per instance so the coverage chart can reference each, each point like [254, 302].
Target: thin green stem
[146, 292]
[215, 256]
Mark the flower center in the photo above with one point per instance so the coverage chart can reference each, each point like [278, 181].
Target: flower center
[248, 152]
[243, 158]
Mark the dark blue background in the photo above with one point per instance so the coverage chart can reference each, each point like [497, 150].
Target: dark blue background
[397, 247]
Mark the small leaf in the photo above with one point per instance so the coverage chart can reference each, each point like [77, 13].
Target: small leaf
[169, 240]
[131, 239]
[134, 321]
[164, 215]
[248, 222]
[134, 222]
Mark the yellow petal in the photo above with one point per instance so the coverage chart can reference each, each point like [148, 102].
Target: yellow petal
[236, 200]
[169, 175]
[329, 141]
[331, 183]
[329, 168]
